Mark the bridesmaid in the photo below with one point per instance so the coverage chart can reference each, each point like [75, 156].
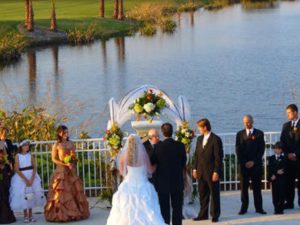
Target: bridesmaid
[6, 214]
[66, 198]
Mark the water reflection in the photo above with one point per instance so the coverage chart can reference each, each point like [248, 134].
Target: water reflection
[31, 57]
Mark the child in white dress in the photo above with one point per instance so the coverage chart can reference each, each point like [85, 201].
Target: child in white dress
[26, 191]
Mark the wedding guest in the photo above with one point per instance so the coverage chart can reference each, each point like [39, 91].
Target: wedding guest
[66, 200]
[170, 159]
[6, 214]
[9, 147]
[250, 148]
[207, 170]
[276, 175]
[26, 191]
[290, 138]
[153, 139]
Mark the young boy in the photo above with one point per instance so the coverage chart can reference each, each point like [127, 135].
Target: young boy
[276, 169]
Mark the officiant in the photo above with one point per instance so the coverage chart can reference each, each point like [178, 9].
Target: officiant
[153, 139]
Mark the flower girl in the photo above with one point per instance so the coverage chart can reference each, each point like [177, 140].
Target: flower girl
[26, 191]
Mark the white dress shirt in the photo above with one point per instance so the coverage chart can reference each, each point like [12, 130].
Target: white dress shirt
[205, 139]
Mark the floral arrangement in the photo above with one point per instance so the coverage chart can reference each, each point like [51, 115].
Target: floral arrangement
[71, 158]
[185, 135]
[114, 138]
[148, 104]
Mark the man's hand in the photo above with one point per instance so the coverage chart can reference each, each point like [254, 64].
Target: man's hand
[273, 177]
[292, 156]
[215, 177]
[249, 164]
[195, 174]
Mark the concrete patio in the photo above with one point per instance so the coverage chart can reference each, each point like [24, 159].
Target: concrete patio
[230, 205]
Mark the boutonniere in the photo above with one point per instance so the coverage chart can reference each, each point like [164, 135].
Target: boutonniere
[295, 129]
[252, 137]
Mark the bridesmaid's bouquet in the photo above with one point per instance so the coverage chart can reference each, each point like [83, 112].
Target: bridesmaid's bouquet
[185, 135]
[148, 104]
[71, 158]
[3, 158]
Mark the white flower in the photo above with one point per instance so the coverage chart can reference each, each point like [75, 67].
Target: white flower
[183, 131]
[187, 134]
[149, 107]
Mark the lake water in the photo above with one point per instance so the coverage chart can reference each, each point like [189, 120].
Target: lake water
[227, 63]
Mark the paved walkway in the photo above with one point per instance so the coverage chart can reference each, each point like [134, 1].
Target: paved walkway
[230, 206]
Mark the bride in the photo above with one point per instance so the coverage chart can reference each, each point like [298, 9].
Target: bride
[136, 201]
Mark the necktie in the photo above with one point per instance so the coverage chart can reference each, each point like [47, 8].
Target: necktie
[249, 134]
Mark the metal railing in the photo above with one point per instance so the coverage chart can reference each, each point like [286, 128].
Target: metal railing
[93, 167]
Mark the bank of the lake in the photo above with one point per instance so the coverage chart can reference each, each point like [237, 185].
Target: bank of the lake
[77, 22]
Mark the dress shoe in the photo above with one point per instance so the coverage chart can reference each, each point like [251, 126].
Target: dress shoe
[215, 220]
[198, 218]
[242, 211]
[278, 212]
[261, 212]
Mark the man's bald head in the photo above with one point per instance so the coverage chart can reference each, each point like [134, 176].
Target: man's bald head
[153, 136]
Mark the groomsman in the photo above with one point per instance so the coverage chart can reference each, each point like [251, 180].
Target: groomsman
[250, 148]
[153, 139]
[290, 138]
[170, 158]
[208, 169]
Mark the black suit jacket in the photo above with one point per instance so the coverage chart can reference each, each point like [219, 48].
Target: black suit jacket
[149, 148]
[10, 150]
[170, 158]
[250, 149]
[275, 165]
[209, 159]
[291, 139]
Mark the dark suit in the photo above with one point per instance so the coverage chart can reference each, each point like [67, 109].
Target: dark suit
[278, 185]
[291, 142]
[207, 161]
[10, 149]
[170, 158]
[250, 149]
[150, 149]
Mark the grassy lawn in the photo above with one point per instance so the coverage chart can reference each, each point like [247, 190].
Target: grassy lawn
[71, 14]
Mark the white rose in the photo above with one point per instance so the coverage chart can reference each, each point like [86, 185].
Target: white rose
[149, 107]
[183, 131]
[187, 134]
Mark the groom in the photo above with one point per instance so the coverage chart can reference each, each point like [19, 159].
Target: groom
[170, 158]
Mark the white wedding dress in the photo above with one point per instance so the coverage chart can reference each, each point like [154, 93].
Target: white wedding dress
[136, 201]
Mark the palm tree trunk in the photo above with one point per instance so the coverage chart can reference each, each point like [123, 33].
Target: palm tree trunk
[27, 5]
[53, 26]
[101, 8]
[116, 9]
[120, 10]
[30, 25]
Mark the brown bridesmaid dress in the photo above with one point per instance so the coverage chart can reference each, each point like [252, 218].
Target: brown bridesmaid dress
[66, 200]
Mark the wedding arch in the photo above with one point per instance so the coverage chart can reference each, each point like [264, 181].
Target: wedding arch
[149, 102]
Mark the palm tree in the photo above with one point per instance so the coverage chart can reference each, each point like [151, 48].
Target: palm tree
[27, 5]
[30, 22]
[116, 9]
[120, 10]
[101, 8]
[53, 26]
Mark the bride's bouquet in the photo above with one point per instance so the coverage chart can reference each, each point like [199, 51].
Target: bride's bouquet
[114, 138]
[148, 104]
[185, 135]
